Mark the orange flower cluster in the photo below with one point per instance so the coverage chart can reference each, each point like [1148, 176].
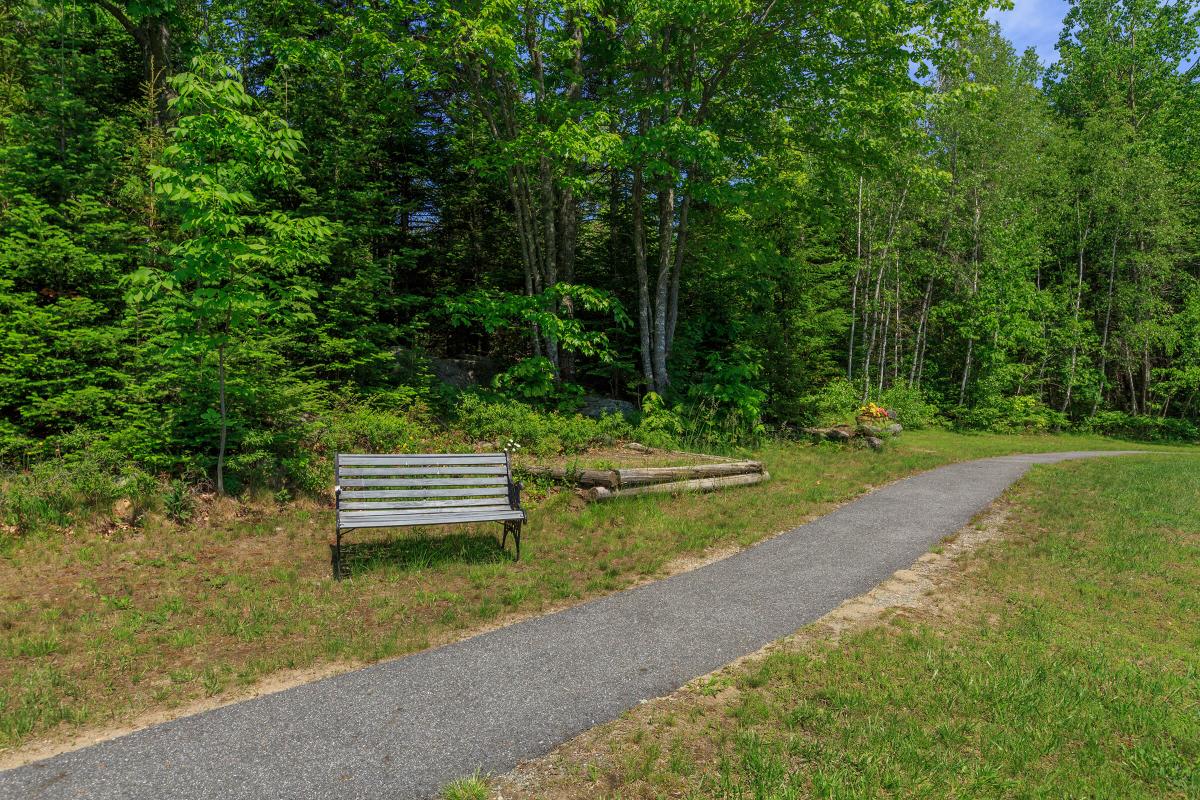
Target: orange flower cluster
[873, 411]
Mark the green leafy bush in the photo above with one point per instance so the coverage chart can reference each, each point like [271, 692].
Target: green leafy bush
[703, 424]
[1142, 427]
[178, 502]
[726, 407]
[396, 421]
[660, 425]
[834, 402]
[1022, 414]
[910, 406]
[539, 433]
[532, 380]
[62, 492]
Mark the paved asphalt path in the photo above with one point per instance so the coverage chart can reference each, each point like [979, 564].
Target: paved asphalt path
[404, 728]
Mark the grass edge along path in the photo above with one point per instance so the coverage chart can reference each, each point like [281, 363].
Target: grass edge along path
[1060, 658]
[101, 632]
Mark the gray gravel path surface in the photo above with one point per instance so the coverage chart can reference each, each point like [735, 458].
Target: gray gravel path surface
[404, 728]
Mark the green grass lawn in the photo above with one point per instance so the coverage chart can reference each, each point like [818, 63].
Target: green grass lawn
[1064, 663]
[98, 627]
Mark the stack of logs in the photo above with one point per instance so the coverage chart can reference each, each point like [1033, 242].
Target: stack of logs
[607, 484]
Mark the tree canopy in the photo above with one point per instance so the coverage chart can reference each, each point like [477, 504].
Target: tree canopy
[216, 216]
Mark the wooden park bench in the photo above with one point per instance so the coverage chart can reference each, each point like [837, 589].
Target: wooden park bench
[393, 491]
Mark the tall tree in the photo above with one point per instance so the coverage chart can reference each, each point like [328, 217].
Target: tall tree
[234, 266]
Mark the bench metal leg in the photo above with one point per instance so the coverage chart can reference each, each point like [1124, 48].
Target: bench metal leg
[514, 527]
[335, 551]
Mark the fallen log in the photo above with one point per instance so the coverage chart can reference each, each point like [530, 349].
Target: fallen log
[600, 493]
[614, 479]
[582, 477]
[641, 476]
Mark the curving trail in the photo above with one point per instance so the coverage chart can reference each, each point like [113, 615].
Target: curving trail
[404, 728]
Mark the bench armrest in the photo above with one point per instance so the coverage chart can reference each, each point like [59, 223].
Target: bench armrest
[337, 495]
[514, 495]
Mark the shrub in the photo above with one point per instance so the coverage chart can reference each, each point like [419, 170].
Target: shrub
[539, 433]
[728, 403]
[396, 421]
[660, 426]
[178, 502]
[833, 403]
[1020, 414]
[61, 492]
[533, 381]
[1142, 427]
[701, 424]
[910, 406]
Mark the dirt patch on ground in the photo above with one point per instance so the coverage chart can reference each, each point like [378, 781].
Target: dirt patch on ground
[607, 757]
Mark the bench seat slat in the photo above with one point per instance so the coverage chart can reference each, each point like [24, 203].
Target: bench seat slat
[417, 460]
[493, 504]
[476, 469]
[429, 519]
[481, 491]
[498, 480]
[367, 505]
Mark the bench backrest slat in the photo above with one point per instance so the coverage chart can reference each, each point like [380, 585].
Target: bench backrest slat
[499, 480]
[367, 505]
[408, 460]
[482, 491]
[425, 509]
[468, 469]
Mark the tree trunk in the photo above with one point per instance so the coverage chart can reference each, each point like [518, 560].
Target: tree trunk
[153, 37]
[919, 344]
[677, 270]
[666, 216]
[224, 420]
[1112, 271]
[643, 277]
[858, 271]
[975, 250]
[1084, 231]
[569, 228]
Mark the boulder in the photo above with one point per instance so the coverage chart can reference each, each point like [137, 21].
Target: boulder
[595, 406]
[122, 510]
[838, 434]
[874, 442]
[463, 373]
[893, 429]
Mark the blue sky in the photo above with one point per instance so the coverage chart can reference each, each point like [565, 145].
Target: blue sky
[1033, 23]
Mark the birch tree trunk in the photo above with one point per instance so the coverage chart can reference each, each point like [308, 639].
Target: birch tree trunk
[1084, 231]
[1112, 271]
[643, 277]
